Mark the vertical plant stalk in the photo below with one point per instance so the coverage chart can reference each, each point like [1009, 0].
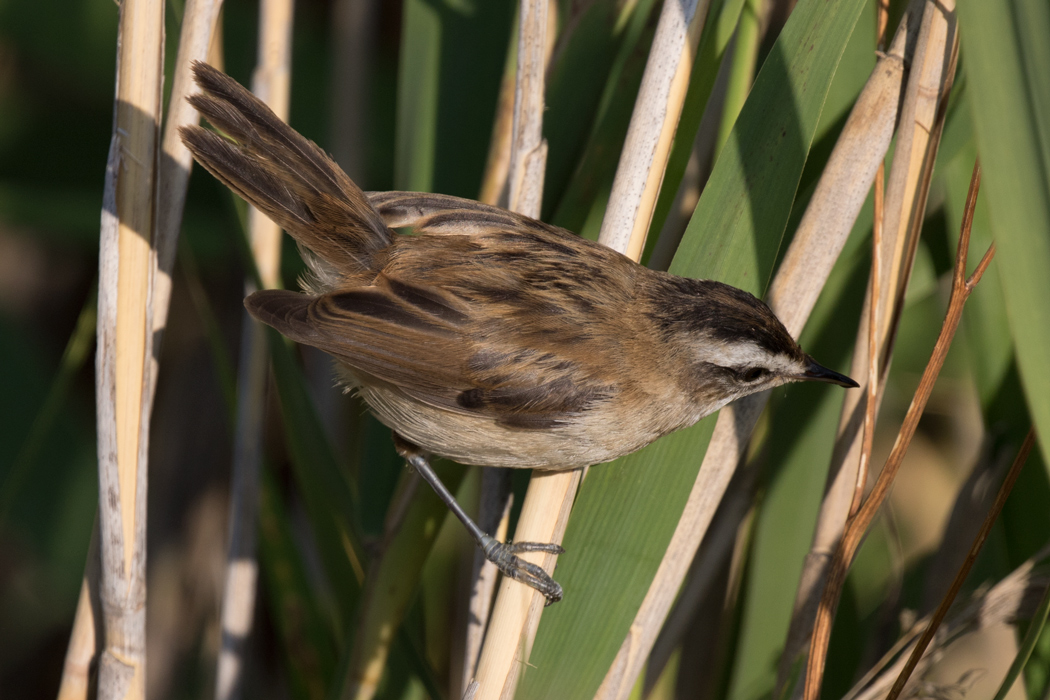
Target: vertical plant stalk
[124, 351]
[857, 526]
[528, 155]
[355, 26]
[654, 121]
[271, 83]
[822, 232]
[964, 570]
[545, 510]
[84, 639]
[483, 575]
[198, 28]
[497, 165]
[517, 148]
[633, 199]
[927, 41]
[872, 390]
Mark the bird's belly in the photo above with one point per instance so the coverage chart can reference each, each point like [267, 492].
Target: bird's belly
[592, 438]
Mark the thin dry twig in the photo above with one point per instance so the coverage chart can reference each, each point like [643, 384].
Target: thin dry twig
[971, 558]
[124, 351]
[875, 294]
[858, 525]
[270, 83]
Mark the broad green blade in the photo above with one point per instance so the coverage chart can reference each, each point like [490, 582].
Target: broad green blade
[804, 417]
[1008, 74]
[305, 634]
[626, 511]
[580, 204]
[589, 60]
[452, 58]
[327, 494]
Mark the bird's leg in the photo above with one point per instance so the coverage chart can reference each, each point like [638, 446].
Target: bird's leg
[503, 555]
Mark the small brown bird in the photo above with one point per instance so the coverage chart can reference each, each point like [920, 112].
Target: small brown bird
[485, 336]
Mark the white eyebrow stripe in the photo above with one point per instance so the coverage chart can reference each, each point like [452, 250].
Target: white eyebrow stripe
[732, 354]
[743, 354]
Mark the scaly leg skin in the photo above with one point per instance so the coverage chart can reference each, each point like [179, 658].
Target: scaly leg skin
[503, 555]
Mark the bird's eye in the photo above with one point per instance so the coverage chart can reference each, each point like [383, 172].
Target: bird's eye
[753, 374]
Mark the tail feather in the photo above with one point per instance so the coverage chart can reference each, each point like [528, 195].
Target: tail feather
[283, 174]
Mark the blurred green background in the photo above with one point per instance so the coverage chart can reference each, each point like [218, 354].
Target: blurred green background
[423, 119]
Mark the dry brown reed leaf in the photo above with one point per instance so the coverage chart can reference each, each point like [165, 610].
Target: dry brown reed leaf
[271, 83]
[1013, 598]
[964, 570]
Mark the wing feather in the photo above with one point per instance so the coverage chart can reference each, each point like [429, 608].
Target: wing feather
[418, 339]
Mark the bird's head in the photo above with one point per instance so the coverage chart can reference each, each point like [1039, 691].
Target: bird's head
[730, 342]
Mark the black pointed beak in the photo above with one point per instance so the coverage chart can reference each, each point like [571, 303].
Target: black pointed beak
[819, 373]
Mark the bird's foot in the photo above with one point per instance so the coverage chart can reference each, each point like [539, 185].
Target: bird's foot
[503, 555]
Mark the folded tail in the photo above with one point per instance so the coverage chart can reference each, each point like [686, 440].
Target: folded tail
[283, 174]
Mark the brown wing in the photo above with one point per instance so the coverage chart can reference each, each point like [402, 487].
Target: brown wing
[425, 341]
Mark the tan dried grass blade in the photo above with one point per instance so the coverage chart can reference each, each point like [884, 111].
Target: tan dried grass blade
[198, 27]
[123, 360]
[545, 511]
[653, 125]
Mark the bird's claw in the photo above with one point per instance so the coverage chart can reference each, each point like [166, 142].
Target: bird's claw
[503, 555]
